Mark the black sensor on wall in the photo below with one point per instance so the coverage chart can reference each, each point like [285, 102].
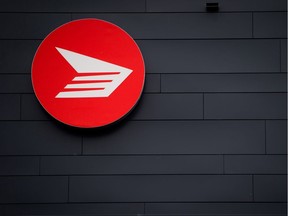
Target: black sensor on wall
[212, 7]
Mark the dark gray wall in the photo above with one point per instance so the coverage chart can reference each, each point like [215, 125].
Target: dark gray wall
[208, 136]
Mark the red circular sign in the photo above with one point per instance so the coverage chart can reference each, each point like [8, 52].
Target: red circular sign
[88, 73]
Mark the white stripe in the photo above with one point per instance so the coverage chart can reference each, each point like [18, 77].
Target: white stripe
[83, 94]
[98, 77]
[87, 85]
[86, 64]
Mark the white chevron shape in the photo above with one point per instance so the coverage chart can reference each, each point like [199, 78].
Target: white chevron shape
[104, 80]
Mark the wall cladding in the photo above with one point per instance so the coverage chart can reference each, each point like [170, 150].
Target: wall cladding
[207, 137]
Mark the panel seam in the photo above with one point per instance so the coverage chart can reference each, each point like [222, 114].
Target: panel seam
[265, 138]
[68, 190]
[203, 104]
[160, 83]
[40, 160]
[20, 106]
[223, 164]
[253, 199]
[280, 44]
[252, 25]
[82, 138]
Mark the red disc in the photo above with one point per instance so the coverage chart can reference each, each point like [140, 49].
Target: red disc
[88, 73]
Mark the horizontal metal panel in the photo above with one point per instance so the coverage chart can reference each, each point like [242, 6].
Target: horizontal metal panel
[149, 164]
[160, 188]
[178, 137]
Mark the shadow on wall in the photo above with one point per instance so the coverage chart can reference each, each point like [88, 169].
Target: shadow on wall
[107, 130]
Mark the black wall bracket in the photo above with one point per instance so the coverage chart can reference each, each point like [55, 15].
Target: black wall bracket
[212, 7]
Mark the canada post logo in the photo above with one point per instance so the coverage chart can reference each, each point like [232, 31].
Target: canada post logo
[88, 73]
[101, 82]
